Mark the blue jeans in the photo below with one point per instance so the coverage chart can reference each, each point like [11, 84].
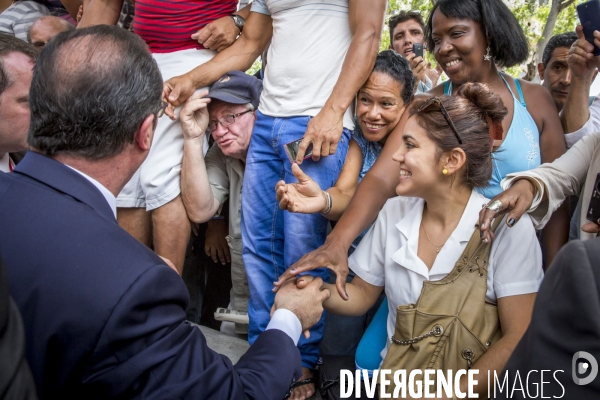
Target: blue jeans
[273, 239]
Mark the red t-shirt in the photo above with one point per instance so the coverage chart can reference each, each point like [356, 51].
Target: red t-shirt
[167, 25]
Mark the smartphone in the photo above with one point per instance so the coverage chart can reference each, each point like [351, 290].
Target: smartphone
[291, 149]
[418, 49]
[593, 213]
[589, 17]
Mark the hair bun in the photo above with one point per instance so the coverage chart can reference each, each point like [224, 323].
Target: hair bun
[488, 102]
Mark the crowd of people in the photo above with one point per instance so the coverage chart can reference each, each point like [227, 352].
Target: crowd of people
[146, 179]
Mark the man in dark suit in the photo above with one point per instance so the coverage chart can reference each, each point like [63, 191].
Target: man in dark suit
[559, 353]
[104, 316]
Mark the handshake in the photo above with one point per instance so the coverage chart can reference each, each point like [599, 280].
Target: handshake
[304, 298]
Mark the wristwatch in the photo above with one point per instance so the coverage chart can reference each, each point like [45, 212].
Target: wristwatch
[238, 21]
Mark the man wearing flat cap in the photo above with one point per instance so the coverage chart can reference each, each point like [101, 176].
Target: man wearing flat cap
[227, 113]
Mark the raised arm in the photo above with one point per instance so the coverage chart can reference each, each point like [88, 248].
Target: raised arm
[196, 192]
[325, 129]
[255, 37]
[583, 65]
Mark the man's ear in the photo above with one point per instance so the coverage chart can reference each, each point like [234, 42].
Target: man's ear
[144, 135]
[541, 70]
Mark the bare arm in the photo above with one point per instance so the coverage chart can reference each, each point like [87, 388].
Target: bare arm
[515, 315]
[196, 192]
[325, 129]
[363, 296]
[101, 12]
[240, 55]
[582, 65]
[344, 188]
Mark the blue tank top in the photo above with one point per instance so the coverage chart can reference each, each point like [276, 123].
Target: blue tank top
[520, 150]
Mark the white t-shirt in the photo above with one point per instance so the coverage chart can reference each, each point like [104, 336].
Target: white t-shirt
[304, 61]
[387, 255]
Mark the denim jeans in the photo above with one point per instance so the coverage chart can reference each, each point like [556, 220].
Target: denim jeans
[273, 239]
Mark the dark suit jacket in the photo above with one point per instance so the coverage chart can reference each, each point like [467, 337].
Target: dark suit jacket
[566, 320]
[104, 315]
[16, 381]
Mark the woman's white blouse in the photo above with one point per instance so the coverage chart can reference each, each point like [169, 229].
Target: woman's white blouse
[387, 255]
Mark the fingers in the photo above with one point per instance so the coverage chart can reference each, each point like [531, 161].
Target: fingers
[304, 280]
[306, 141]
[340, 282]
[294, 270]
[306, 334]
[221, 256]
[579, 32]
[211, 41]
[591, 227]
[203, 34]
[316, 150]
[299, 174]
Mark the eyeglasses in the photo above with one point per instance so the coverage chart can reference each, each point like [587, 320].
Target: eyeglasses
[437, 101]
[225, 121]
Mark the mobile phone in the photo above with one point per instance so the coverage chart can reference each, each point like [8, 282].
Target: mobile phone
[291, 149]
[593, 213]
[418, 49]
[589, 17]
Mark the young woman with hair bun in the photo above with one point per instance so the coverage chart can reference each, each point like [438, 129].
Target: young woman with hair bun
[419, 236]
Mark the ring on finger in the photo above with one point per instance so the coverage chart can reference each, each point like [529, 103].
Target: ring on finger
[494, 206]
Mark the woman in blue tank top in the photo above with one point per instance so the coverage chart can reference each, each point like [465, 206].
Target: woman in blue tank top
[470, 39]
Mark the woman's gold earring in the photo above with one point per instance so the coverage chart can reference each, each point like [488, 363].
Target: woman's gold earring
[445, 171]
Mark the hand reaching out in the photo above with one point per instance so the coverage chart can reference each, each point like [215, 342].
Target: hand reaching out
[304, 197]
[176, 91]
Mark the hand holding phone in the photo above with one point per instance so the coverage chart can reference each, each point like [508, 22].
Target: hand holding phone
[291, 149]
[589, 17]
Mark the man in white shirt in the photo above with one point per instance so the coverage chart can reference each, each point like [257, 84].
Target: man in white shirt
[17, 59]
[77, 277]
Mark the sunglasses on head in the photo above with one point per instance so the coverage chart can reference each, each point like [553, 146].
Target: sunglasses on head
[438, 102]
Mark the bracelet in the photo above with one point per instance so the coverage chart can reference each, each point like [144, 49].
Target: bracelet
[328, 201]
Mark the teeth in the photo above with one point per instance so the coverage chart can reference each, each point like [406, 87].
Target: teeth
[452, 63]
[405, 173]
[372, 126]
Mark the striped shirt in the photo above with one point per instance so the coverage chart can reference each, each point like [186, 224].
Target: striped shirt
[18, 18]
[167, 25]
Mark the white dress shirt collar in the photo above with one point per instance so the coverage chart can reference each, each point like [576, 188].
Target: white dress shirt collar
[110, 198]
[5, 163]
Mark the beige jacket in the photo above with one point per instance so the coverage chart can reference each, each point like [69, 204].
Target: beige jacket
[568, 175]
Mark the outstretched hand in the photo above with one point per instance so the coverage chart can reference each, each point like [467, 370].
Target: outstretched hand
[331, 255]
[304, 197]
[515, 201]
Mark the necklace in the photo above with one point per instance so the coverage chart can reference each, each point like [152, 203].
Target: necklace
[437, 248]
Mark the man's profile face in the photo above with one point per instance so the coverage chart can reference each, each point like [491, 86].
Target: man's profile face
[14, 103]
[557, 76]
[405, 35]
[233, 140]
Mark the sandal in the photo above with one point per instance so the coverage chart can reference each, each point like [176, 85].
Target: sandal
[294, 385]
